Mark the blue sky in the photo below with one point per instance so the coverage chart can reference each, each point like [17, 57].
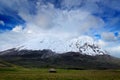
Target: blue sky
[54, 24]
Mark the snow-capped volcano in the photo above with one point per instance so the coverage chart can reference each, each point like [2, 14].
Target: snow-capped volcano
[91, 49]
[84, 45]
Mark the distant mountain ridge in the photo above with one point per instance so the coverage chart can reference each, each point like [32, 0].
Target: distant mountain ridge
[70, 60]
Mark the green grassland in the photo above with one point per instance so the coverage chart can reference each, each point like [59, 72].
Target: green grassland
[19, 73]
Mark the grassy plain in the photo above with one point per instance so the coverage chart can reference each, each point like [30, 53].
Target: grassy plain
[62, 74]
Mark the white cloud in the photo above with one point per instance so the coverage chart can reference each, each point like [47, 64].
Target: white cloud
[71, 3]
[101, 43]
[119, 35]
[2, 23]
[11, 39]
[14, 5]
[108, 36]
[114, 4]
[17, 28]
[74, 21]
[115, 50]
[77, 21]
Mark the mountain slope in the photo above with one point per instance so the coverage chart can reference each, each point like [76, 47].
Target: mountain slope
[4, 64]
[47, 58]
